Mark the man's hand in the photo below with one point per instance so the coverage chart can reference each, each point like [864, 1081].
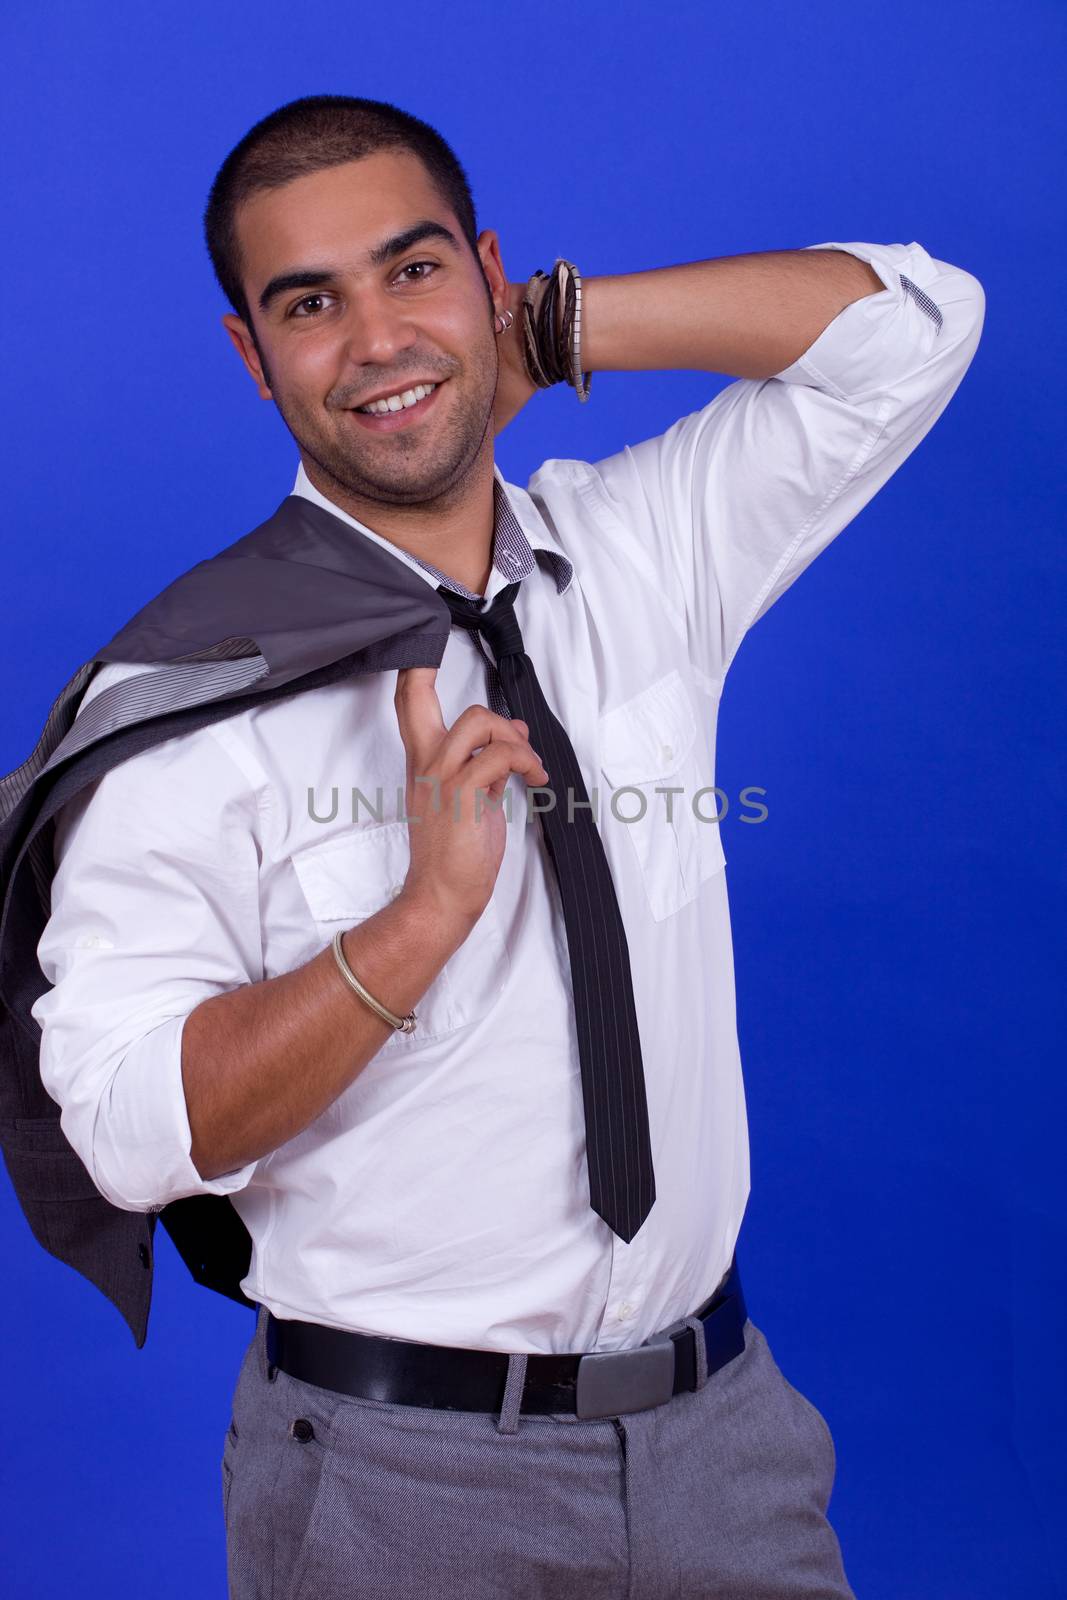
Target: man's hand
[460, 825]
[514, 385]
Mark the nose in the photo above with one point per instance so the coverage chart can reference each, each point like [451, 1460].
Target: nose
[375, 331]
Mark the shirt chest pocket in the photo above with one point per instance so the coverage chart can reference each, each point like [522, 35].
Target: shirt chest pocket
[650, 743]
[346, 879]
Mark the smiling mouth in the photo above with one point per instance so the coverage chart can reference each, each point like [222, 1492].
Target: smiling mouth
[390, 421]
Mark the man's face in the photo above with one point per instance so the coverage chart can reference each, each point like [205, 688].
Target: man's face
[336, 329]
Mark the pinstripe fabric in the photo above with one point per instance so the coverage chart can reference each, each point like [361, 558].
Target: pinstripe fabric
[17, 783]
[134, 700]
[150, 694]
[15, 786]
[618, 1146]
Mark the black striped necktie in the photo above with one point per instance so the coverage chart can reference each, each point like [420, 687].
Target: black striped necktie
[621, 1182]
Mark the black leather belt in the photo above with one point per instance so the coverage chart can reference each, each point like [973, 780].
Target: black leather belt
[600, 1383]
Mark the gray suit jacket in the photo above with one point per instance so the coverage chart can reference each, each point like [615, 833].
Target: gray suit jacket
[300, 601]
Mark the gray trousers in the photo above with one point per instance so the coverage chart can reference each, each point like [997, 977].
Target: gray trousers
[720, 1494]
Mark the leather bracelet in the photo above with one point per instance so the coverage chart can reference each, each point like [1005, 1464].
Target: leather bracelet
[551, 328]
[403, 1024]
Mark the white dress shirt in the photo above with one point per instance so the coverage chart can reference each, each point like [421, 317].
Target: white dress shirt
[443, 1197]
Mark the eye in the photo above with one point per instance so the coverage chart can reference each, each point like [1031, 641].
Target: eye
[308, 298]
[413, 264]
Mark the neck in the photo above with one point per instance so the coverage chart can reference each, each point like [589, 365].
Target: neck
[453, 530]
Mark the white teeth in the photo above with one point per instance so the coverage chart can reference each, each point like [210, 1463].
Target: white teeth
[398, 402]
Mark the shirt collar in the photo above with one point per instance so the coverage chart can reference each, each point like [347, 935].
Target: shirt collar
[519, 536]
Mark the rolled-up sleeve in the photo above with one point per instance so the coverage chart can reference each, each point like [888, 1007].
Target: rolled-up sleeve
[155, 907]
[733, 501]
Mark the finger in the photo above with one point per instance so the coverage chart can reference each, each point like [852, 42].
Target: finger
[418, 710]
[473, 729]
[499, 760]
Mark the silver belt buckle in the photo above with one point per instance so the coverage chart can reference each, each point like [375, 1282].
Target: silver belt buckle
[614, 1381]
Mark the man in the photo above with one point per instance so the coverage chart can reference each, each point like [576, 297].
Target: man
[396, 1037]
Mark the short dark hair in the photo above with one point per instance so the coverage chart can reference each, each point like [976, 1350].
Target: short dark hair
[308, 135]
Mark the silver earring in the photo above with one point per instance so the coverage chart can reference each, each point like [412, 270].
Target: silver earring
[503, 320]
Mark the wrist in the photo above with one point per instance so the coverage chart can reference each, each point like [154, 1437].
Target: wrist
[425, 911]
[399, 951]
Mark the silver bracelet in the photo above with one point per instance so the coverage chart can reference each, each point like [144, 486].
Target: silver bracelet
[404, 1024]
[579, 380]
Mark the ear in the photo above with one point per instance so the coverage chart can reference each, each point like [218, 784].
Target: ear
[493, 266]
[238, 331]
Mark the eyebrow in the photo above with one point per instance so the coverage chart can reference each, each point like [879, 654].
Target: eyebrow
[315, 277]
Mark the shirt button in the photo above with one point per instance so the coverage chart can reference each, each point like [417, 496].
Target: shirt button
[302, 1430]
[142, 1254]
[667, 752]
[624, 1311]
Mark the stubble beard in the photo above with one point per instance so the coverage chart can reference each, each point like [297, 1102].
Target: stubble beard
[387, 469]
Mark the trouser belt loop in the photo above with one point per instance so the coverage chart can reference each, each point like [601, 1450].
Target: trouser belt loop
[700, 1351]
[511, 1408]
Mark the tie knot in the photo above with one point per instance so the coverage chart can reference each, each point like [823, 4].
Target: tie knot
[497, 624]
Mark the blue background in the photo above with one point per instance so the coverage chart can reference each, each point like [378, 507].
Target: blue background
[898, 917]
